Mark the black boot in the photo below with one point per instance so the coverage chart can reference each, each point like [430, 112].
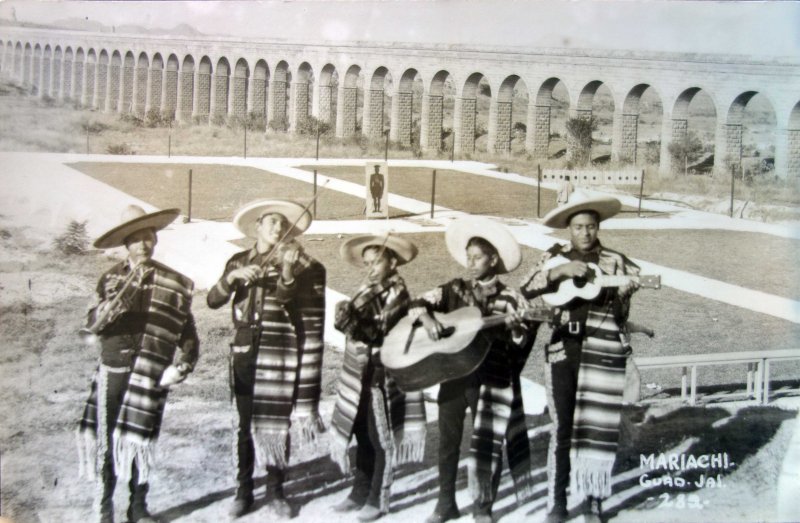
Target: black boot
[107, 497]
[137, 511]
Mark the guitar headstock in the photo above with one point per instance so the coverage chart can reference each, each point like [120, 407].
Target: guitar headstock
[650, 281]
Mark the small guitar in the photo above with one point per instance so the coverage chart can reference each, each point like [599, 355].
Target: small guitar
[589, 287]
[417, 362]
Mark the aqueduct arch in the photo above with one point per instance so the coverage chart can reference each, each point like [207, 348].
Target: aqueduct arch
[129, 73]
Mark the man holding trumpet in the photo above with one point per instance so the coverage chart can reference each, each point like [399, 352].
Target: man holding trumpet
[148, 341]
[278, 309]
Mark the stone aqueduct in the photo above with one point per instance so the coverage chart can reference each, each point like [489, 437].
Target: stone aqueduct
[203, 79]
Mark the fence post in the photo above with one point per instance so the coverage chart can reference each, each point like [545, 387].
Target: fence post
[386, 148]
[538, 190]
[189, 213]
[87, 139]
[433, 192]
[245, 140]
[641, 190]
[169, 141]
[315, 193]
[317, 151]
[733, 179]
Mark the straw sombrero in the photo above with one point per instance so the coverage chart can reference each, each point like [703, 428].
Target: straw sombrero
[245, 218]
[133, 219]
[460, 231]
[352, 250]
[579, 201]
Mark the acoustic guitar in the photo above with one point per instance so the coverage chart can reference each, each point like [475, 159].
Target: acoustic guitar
[417, 362]
[589, 287]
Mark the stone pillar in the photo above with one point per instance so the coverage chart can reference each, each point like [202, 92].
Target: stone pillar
[202, 96]
[300, 115]
[277, 101]
[169, 96]
[499, 139]
[77, 81]
[55, 81]
[258, 97]
[402, 117]
[26, 69]
[89, 79]
[325, 97]
[237, 105]
[464, 125]
[787, 154]
[185, 100]
[539, 132]
[154, 88]
[728, 148]
[624, 149]
[346, 113]
[430, 132]
[127, 81]
[66, 84]
[47, 65]
[18, 68]
[219, 98]
[100, 86]
[373, 114]
[37, 74]
[112, 89]
[140, 91]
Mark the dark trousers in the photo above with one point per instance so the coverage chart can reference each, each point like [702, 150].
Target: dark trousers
[370, 469]
[116, 385]
[562, 385]
[245, 451]
[454, 399]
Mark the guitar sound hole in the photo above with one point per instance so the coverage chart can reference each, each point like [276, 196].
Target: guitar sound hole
[448, 331]
[580, 282]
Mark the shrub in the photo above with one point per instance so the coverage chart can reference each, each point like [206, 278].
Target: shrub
[309, 126]
[132, 119]
[75, 240]
[119, 148]
[92, 127]
[686, 150]
[579, 136]
[278, 124]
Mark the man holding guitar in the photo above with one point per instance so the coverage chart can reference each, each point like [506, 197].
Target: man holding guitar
[586, 356]
[278, 308]
[487, 250]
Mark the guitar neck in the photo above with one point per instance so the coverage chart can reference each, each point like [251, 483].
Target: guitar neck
[531, 315]
[614, 280]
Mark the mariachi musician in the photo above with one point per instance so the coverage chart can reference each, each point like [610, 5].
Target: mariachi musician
[143, 314]
[487, 249]
[278, 313]
[586, 356]
[389, 426]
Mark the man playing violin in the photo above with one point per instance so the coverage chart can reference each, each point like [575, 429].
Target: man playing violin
[389, 426]
[278, 312]
[586, 356]
[143, 315]
[487, 250]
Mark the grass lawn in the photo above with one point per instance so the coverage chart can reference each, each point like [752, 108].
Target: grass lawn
[217, 190]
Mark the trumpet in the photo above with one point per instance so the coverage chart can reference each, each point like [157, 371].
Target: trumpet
[120, 303]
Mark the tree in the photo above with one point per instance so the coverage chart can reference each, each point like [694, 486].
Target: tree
[579, 138]
[684, 151]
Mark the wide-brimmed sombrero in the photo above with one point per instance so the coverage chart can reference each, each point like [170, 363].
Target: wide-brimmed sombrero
[352, 250]
[133, 219]
[460, 231]
[579, 201]
[246, 217]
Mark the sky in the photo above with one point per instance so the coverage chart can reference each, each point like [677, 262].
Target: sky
[767, 28]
